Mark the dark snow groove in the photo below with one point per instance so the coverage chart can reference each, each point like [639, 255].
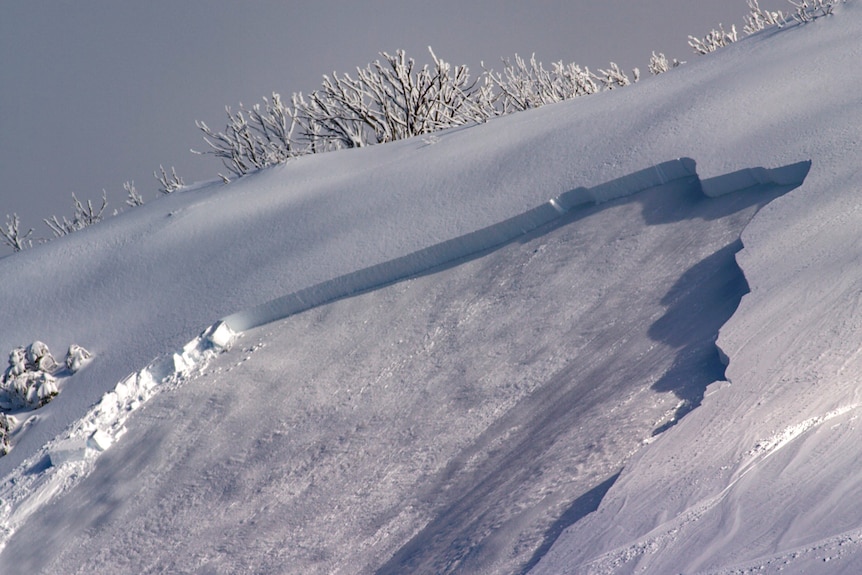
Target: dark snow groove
[499, 234]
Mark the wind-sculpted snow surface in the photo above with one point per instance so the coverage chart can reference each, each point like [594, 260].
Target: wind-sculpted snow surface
[460, 420]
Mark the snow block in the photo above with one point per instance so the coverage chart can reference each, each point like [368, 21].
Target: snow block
[68, 450]
[221, 336]
[77, 357]
[99, 440]
[181, 364]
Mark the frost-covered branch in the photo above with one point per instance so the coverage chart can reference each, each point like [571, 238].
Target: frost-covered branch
[758, 18]
[659, 64]
[84, 216]
[524, 85]
[168, 183]
[133, 198]
[11, 234]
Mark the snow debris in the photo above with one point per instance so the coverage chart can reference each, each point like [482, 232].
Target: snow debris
[100, 440]
[766, 447]
[72, 455]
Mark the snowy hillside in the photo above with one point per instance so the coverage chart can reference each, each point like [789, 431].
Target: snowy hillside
[456, 348]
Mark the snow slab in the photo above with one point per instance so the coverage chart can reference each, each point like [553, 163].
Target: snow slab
[479, 399]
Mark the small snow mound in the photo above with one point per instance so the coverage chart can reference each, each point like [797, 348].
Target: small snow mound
[77, 357]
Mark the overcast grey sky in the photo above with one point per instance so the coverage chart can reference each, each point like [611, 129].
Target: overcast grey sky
[97, 92]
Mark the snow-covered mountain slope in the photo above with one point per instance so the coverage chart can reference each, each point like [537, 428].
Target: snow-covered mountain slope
[460, 420]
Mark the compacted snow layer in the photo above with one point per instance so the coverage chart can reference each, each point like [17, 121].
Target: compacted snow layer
[462, 419]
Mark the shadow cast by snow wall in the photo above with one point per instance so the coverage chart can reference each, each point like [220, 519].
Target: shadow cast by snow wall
[675, 172]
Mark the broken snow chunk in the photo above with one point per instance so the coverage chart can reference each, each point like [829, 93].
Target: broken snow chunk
[146, 381]
[191, 348]
[181, 363]
[221, 336]
[77, 357]
[73, 449]
[99, 440]
[39, 358]
[109, 404]
[123, 390]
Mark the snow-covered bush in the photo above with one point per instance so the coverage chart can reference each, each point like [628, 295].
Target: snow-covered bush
[614, 77]
[39, 358]
[808, 10]
[390, 100]
[29, 380]
[76, 358]
[658, 64]
[254, 138]
[714, 40]
[11, 234]
[524, 85]
[84, 216]
[168, 183]
[7, 422]
[758, 18]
